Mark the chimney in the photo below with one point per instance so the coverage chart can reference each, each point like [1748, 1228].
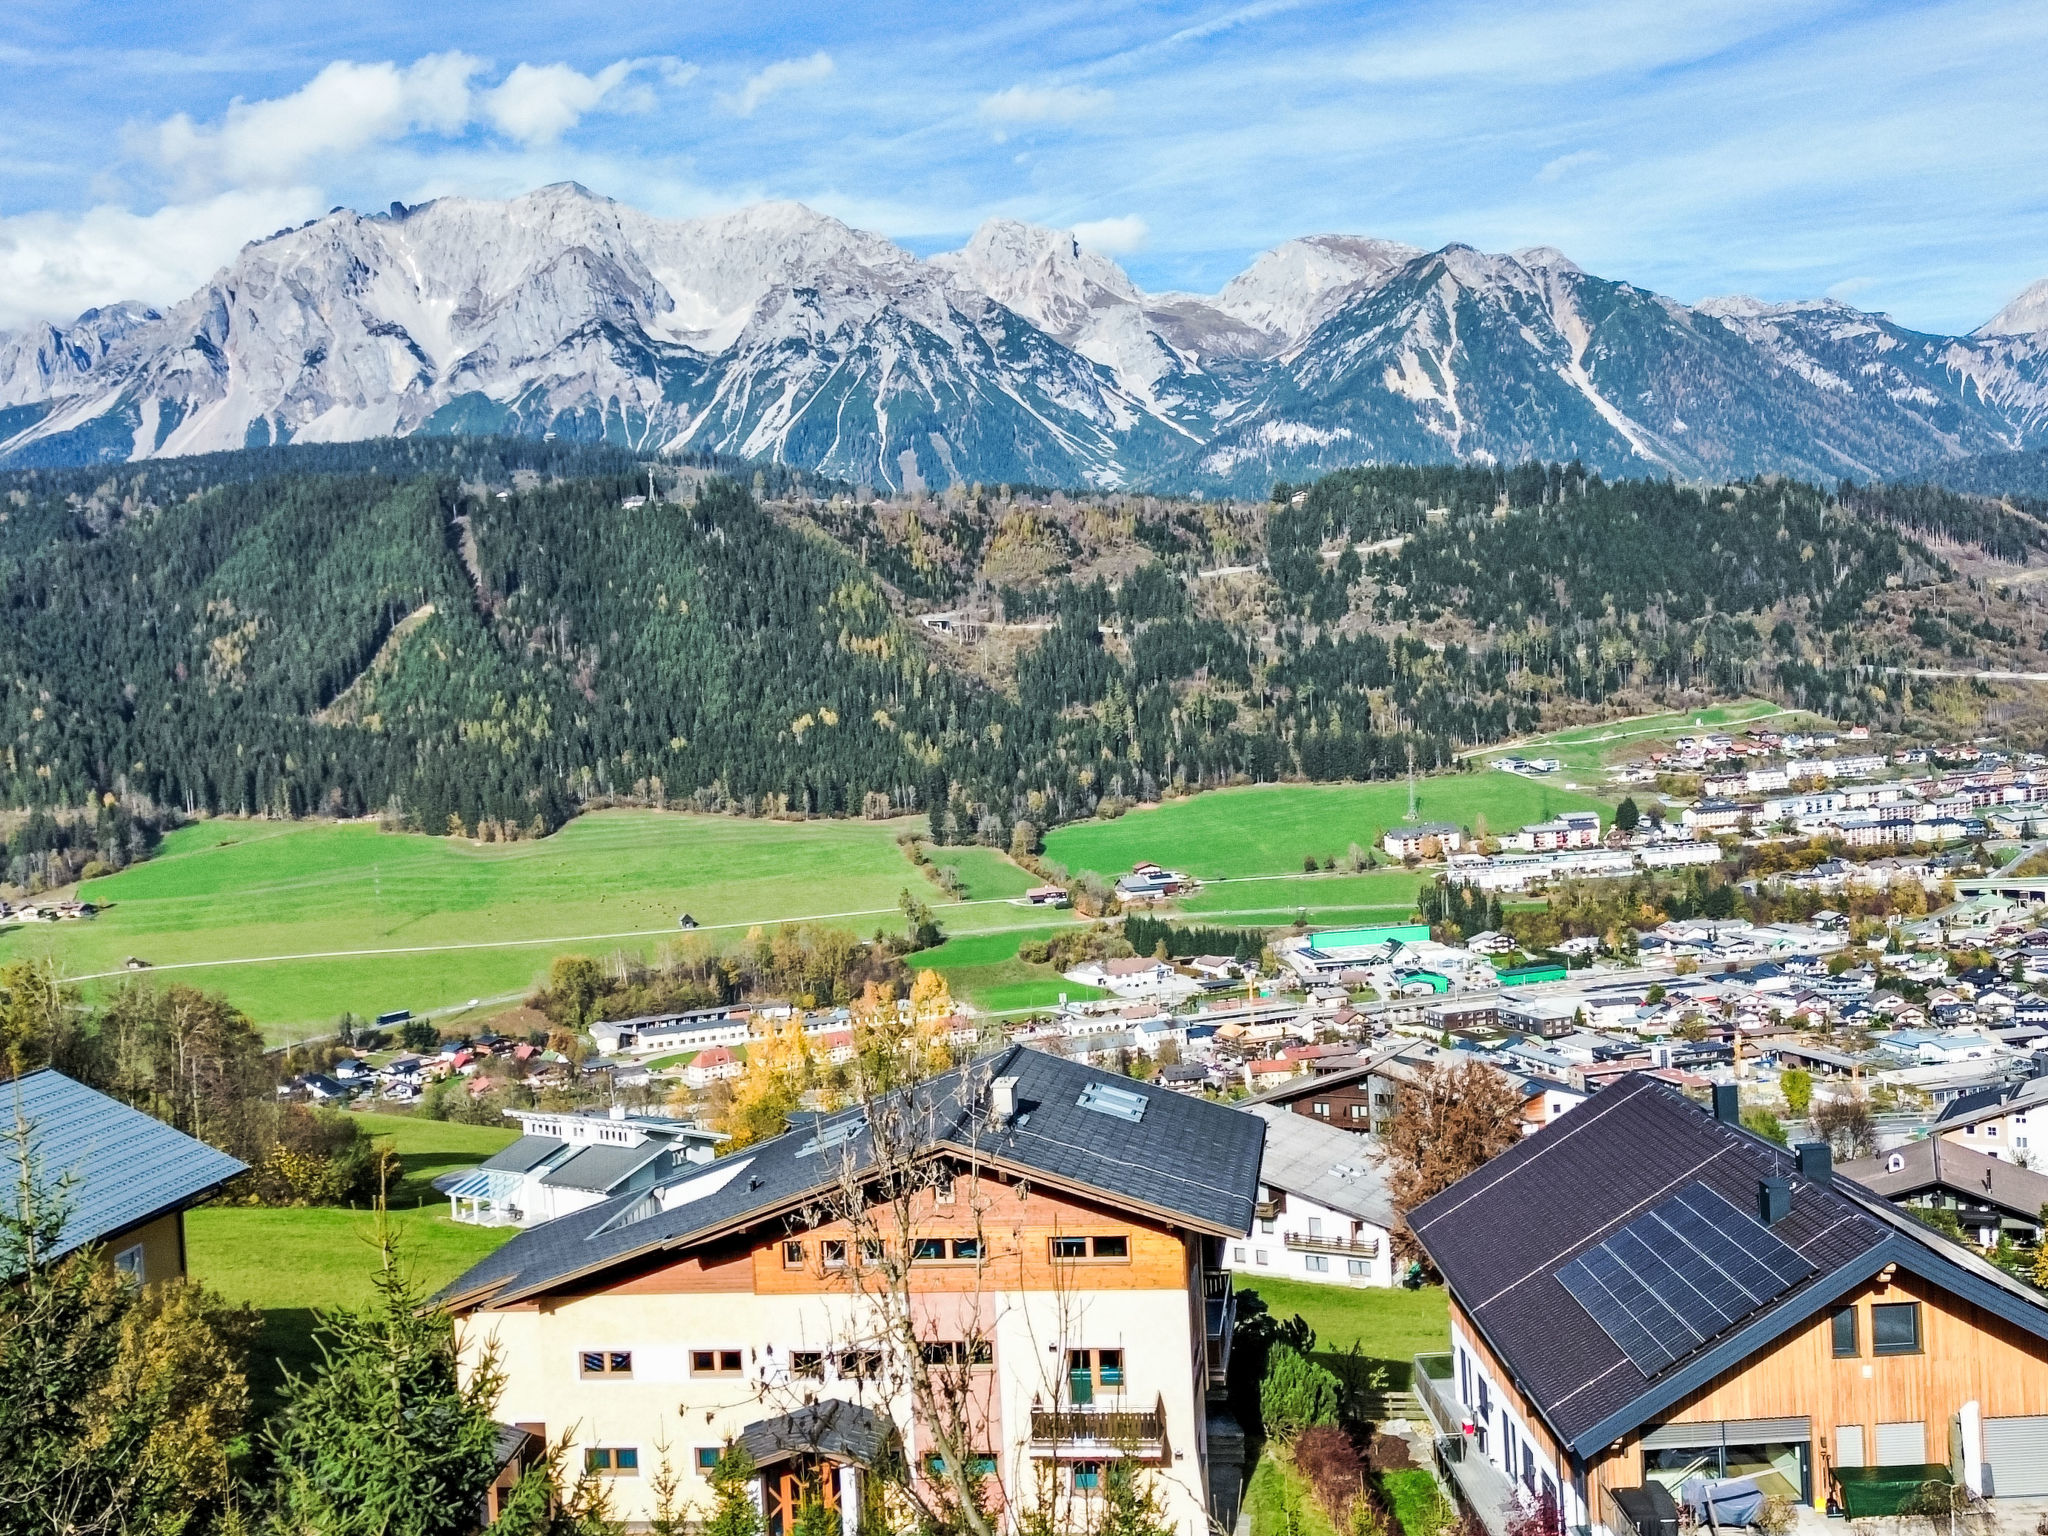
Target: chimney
[1816, 1162]
[1002, 1100]
[1773, 1200]
[1727, 1104]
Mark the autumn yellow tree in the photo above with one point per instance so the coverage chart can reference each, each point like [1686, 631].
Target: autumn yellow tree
[779, 1069]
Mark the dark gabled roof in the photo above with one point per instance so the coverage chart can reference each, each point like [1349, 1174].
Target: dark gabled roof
[1500, 1235]
[838, 1430]
[602, 1169]
[523, 1155]
[1322, 1082]
[125, 1166]
[1932, 1163]
[1186, 1160]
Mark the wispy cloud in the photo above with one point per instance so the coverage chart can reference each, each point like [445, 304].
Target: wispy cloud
[1565, 165]
[782, 76]
[1113, 237]
[1021, 104]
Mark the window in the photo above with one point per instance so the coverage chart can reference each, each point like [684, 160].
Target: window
[793, 1255]
[1237, 1255]
[717, 1362]
[954, 1351]
[1317, 1264]
[1849, 1445]
[1092, 1370]
[1895, 1328]
[966, 1248]
[860, 1364]
[606, 1362]
[612, 1461]
[806, 1362]
[833, 1252]
[707, 1457]
[977, 1466]
[1844, 1324]
[1315, 1226]
[944, 1192]
[1360, 1268]
[128, 1264]
[1357, 1111]
[1322, 1108]
[1118, 1247]
[1259, 1255]
[925, 1248]
[1087, 1476]
[1266, 1226]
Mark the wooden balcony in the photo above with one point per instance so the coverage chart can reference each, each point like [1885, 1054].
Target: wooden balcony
[1089, 1434]
[1350, 1247]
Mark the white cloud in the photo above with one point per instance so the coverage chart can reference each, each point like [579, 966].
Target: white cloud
[538, 103]
[1113, 237]
[1044, 104]
[56, 265]
[343, 109]
[780, 77]
[1564, 165]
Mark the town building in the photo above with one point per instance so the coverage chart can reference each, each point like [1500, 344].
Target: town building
[1990, 1197]
[1423, 840]
[1326, 1213]
[1070, 1234]
[564, 1162]
[1645, 1292]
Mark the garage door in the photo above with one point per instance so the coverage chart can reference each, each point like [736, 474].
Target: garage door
[2016, 1457]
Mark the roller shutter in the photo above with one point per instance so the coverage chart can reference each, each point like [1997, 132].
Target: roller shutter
[2016, 1457]
[1902, 1444]
[1727, 1432]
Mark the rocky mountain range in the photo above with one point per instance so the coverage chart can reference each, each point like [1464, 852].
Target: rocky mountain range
[779, 332]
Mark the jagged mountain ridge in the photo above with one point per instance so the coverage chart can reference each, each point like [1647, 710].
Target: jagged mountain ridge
[777, 332]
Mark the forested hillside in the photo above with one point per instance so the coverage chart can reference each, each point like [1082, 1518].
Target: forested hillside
[490, 635]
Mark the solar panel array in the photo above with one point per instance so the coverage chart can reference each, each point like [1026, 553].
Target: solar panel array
[1681, 1274]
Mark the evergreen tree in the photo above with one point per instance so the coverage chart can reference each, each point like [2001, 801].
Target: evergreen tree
[385, 1438]
[732, 1509]
[1129, 1504]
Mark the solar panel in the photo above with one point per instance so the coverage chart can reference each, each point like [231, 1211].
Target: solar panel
[1119, 1103]
[1680, 1274]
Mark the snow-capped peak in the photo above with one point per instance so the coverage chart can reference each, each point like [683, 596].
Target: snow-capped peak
[1546, 258]
[1289, 290]
[2026, 314]
[1039, 273]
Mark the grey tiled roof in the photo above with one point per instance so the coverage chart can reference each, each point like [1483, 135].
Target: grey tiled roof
[1338, 1169]
[125, 1166]
[1933, 1163]
[834, 1428]
[523, 1155]
[1191, 1160]
[602, 1168]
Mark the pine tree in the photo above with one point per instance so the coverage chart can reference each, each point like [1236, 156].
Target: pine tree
[732, 1510]
[1129, 1505]
[385, 1437]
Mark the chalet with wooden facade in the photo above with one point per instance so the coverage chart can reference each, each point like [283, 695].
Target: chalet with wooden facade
[1067, 1249]
[1644, 1292]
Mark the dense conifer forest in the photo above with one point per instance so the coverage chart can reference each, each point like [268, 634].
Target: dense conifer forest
[488, 635]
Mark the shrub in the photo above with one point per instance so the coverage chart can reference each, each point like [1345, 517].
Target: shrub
[1328, 1462]
[1297, 1394]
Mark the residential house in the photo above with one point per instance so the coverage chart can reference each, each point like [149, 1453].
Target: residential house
[2008, 1121]
[1713, 816]
[1423, 840]
[1071, 1235]
[569, 1162]
[713, 1064]
[1349, 1099]
[1325, 1211]
[1149, 882]
[1131, 976]
[1574, 829]
[1046, 896]
[1264, 1074]
[1989, 1196]
[1646, 1292]
[131, 1177]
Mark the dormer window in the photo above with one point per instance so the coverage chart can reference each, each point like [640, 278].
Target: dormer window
[1895, 1164]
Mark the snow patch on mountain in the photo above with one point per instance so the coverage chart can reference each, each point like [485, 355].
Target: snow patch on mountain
[2026, 315]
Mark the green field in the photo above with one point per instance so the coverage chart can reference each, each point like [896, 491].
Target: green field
[1272, 901]
[1391, 1325]
[1269, 828]
[1590, 748]
[287, 1263]
[344, 916]
[983, 969]
[985, 872]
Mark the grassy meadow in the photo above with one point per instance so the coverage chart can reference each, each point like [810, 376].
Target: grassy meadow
[983, 969]
[297, 922]
[1270, 828]
[1591, 748]
[241, 1251]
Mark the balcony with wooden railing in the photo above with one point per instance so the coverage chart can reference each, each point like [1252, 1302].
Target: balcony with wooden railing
[1219, 1316]
[1350, 1247]
[1091, 1433]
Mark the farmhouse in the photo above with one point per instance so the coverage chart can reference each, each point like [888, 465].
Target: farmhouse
[131, 1177]
[1645, 1292]
[1065, 1206]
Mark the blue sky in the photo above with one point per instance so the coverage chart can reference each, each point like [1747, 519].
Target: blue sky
[1888, 154]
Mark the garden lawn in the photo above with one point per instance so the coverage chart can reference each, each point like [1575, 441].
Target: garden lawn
[430, 1148]
[299, 921]
[1270, 828]
[983, 969]
[286, 1263]
[1389, 1324]
[1278, 1503]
